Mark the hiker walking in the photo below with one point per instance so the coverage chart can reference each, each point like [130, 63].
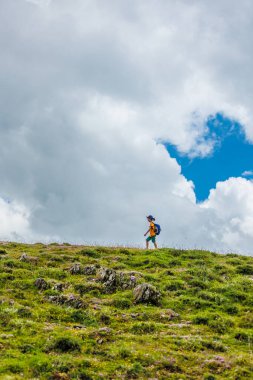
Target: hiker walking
[154, 229]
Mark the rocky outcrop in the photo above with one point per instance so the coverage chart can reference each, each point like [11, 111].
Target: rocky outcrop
[90, 270]
[41, 284]
[146, 293]
[29, 259]
[76, 269]
[70, 300]
[113, 280]
[109, 279]
[126, 280]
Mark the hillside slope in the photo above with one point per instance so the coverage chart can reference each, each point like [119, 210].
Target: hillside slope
[64, 316]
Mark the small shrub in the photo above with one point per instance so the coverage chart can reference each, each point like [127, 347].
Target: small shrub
[198, 284]
[214, 346]
[175, 285]
[24, 312]
[26, 348]
[209, 376]
[40, 365]
[65, 344]
[219, 324]
[89, 252]
[246, 321]
[122, 303]
[134, 371]
[124, 353]
[143, 328]
[88, 288]
[84, 317]
[245, 269]
[14, 368]
[106, 319]
[3, 251]
[243, 336]
[231, 309]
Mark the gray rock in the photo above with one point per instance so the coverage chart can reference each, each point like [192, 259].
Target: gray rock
[90, 270]
[41, 284]
[76, 269]
[146, 293]
[29, 259]
[60, 287]
[109, 278]
[71, 301]
[126, 280]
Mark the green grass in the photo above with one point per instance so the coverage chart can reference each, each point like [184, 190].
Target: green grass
[201, 329]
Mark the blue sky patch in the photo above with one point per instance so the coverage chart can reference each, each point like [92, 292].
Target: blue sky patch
[232, 156]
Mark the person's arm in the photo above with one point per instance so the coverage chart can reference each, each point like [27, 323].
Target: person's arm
[146, 232]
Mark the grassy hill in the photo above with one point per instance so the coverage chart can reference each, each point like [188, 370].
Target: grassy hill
[64, 316]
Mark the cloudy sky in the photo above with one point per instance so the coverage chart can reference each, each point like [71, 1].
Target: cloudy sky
[112, 110]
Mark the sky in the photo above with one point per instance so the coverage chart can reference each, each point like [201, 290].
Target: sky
[231, 156]
[111, 111]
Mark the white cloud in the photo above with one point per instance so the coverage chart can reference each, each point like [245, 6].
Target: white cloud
[87, 89]
[14, 221]
[247, 173]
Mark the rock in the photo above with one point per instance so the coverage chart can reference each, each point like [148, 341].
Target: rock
[126, 281]
[60, 287]
[76, 269]
[29, 259]
[169, 314]
[109, 278]
[41, 284]
[146, 293]
[90, 269]
[71, 300]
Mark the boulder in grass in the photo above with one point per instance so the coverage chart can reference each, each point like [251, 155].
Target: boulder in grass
[41, 284]
[76, 269]
[70, 300]
[60, 287]
[90, 270]
[126, 280]
[29, 259]
[146, 293]
[109, 279]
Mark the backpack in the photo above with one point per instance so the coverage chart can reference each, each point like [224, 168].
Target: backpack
[157, 229]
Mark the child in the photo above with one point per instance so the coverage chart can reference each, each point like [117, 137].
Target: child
[151, 231]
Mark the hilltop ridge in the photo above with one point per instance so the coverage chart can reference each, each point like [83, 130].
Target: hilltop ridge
[77, 312]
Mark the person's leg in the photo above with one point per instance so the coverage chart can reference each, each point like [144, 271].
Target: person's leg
[154, 242]
[147, 242]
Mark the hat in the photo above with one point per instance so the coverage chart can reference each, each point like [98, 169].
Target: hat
[150, 217]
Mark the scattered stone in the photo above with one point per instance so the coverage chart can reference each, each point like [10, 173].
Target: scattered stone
[76, 269]
[79, 327]
[90, 270]
[135, 315]
[181, 325]
[6, 336]
[105, 330]
[126, 280]
[218, 363]
[109, 279]
[70, 300]
[41, 284]
[146, 293]
[60, 287]
[169, 314]
[60, 376]
[29, 259]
